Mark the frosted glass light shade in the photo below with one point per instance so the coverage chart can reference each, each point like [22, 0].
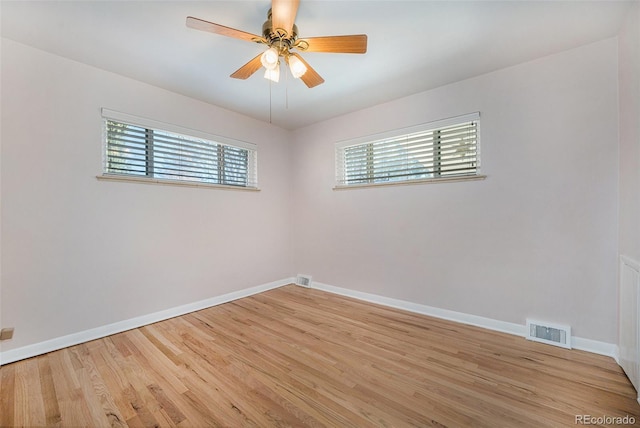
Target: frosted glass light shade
[273, 74]
[297, 67]
[269, 59]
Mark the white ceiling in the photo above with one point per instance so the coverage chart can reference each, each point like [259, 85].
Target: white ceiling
[413, 45]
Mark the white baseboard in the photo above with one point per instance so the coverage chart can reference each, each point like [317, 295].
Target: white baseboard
[40, 348]
[594, 346]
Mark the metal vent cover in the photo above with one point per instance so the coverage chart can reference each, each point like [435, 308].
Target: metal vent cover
[303, 280]
[551, 334]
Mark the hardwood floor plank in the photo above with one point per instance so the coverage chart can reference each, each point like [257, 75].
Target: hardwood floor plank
[95, 390]
[26, 388]
[73, 409]
[7, 395]
[136, 394]
[48, 390]
[153, 336]
[169, 408]
[297, 357]
[148, 355]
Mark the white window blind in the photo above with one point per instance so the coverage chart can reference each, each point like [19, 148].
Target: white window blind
[141, 148]
[447, 148]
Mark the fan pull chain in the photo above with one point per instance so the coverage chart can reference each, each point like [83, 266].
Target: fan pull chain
[270, 83]
[286, 89]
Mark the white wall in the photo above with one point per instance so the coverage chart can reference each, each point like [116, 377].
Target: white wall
[537, 238]
[79, 253]
[629, 81]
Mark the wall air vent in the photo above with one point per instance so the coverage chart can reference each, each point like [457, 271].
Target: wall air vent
[552, 334]
[303, 280]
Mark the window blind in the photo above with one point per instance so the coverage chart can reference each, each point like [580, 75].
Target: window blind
[441, 149]
[142, 151]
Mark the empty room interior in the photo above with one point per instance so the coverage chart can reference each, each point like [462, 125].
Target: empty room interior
[320, 213]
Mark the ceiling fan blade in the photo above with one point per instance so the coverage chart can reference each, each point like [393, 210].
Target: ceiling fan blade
[311, 78]
[355, 44]
[283, 14]
[248, 69]
[200, 24]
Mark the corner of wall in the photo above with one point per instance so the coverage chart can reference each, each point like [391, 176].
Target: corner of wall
[118, 327]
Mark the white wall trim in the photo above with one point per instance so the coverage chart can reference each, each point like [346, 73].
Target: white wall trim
[454, 179]
[589, 345]
[166, 182]
[635, 265]
[35, 349]
[10, 356]
[630, 262]
[595, 347]
[491, 324]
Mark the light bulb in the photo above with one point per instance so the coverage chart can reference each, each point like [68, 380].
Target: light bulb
[296, 66]
[273, 74]
[269, 58]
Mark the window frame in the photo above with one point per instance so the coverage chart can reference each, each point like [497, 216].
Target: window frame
[151, 126]
[435, 126]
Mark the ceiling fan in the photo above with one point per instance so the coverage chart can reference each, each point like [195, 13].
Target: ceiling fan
[280, 34]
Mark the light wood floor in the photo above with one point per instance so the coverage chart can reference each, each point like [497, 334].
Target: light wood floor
[300, 357]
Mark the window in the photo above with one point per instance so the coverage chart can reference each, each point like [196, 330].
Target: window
[140, 147]
[437, 150]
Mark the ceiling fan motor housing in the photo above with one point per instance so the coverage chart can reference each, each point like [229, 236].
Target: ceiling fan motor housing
[278, 37]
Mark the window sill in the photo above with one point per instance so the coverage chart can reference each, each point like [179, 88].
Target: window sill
[146, 180]
[410, 182]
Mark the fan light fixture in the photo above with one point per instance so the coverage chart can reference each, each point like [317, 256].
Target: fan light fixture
[296, 66]
[269, 58]
[273, 74]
